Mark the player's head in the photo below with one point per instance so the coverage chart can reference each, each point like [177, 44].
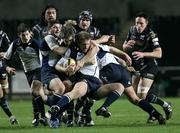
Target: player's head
[49, 14]
[141, 21]
[85, 19]
[55, 28]
[24, 32]
[68, 32]
[83, 40]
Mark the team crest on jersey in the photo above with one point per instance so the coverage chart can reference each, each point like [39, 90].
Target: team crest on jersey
[4, 75]
[91, 34]
[142, 37]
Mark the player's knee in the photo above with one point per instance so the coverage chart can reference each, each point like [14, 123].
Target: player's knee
[1, 92]
[120, 88]
[36, 84]
[1, 95]
[59, 90]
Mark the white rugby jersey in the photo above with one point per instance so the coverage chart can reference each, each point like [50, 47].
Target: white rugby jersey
[91, 70]
[104, 57]
[49, 57]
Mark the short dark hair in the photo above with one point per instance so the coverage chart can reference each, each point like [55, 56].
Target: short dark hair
[142, 14]
[82, 36]
[22, 27]
[52, 23]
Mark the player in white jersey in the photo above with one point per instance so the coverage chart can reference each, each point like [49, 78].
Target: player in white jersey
[86, 80]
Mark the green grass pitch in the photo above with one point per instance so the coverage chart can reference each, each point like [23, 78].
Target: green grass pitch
[126, 118]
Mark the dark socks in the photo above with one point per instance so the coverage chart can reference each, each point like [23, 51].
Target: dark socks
[5, 106]
[35, 108]
[79, 103]
[148, 108]
[53, 99]
[70, 110]
[40, 106]
[151, 98]
[63, 101]
[113, 96]
[88, 103]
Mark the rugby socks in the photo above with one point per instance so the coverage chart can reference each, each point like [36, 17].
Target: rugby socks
[79, 103]
[53, 99]
[70, 110]
[88, 103]
[5, 106]
[40, 106]
[35, 108]
[113, 96]
[63, 101]
[148, 108]
[151, 98]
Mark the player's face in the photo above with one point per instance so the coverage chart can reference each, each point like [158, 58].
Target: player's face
[68, 40]
[25, 36]
[85, 46]
[84, 23]
[55, 29]
[50, 15]
[141, 24]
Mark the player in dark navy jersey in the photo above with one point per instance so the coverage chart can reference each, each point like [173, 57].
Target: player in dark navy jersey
[28, 51]
[84, 24]
[4, 44]
[48, 15]
[142, 44]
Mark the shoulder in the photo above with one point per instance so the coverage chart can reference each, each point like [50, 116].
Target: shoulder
[94, 29]
[35, 41]
[37, 27]
[48, 38]
[3, 34]
[16, 42]
[152, 34]
[132, 29]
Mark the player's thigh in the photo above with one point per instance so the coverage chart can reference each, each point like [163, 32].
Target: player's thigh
[79, 90]
[4, 86]
[104, 90]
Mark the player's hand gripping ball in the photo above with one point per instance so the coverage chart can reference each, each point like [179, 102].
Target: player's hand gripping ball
[70, 66]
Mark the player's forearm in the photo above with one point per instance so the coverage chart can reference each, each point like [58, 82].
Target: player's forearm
[59, 50]
[117, 52]
[90, 54]
[157, 53]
